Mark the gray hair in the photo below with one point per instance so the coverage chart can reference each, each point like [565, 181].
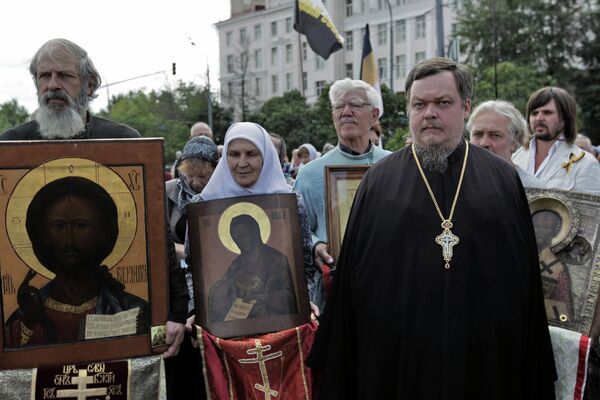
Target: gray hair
[87, 71]
[343, 86]
[516, 122]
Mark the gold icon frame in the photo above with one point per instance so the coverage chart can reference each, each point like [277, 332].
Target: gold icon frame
[132, 172]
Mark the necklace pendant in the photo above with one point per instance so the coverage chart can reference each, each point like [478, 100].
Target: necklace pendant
[447, 240]
[447, 224]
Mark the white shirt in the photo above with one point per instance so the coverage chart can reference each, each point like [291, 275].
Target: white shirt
[566, 167]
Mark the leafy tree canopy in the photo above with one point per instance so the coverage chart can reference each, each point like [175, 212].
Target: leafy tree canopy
[168, 113]
[11, 114]
[515, 84]
[540, 42]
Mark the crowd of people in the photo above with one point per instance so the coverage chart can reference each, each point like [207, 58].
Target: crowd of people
[437, 290]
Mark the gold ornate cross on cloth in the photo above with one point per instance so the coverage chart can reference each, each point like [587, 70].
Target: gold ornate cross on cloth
[447, 240]
[261, 359]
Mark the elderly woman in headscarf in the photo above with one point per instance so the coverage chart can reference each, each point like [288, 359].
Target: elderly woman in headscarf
[250, 166]
[196, 165]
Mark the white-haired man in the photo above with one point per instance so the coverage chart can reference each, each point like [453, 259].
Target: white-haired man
[66, 81]
[497, 126]
[354, 113]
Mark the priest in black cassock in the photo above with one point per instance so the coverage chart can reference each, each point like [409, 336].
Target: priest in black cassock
[448, 305]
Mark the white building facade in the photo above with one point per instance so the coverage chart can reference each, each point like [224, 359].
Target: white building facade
[260, 51]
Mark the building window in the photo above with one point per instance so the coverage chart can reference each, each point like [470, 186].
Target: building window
[349, 8]
[320, 86]
[289, 57]
[258, 86]
[400, 31]
[319, 63]
[288, 25]
[382, 67]
[349, 41]
[243, 36]
[362, 7]
[419, 56]
[258, 63]
[257, 32]
[230, 64]
[400, 66]
[349, 71]
[381, 34]
[273, 28]
[304, 51]
[420, 27]
[274, 84]
[456, 4]
[228, 37]
[288, 81]
[304, 80]
[362, 36]
[230, 89]
[273, 55]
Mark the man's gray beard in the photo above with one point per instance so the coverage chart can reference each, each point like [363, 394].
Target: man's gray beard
[434, 157]
[61, 124]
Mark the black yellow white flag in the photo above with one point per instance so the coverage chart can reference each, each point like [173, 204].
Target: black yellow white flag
[368, 68]
[312, 19]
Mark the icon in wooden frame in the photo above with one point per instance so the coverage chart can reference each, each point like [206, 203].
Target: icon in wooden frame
[80, 280]
[247, 265]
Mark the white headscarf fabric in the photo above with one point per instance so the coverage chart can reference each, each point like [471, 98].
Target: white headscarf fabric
[312, 152]
[271, 180]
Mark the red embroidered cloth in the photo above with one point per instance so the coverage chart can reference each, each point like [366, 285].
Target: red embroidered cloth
[270, 366]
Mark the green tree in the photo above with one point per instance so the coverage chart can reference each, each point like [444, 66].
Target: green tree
[11, 114]
[168, 113]
[587, 82]
[538, 33]
[515, 84]
[322, 129]
[394, 122]
[287, 116]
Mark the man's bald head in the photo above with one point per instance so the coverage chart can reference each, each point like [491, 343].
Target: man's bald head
[201, 129]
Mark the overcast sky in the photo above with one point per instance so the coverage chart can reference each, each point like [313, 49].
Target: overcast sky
[125, 39]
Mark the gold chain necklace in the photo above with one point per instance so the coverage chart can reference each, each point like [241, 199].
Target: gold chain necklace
[447, 239]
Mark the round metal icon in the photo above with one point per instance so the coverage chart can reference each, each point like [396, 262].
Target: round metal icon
[564, 214]
[35, 179]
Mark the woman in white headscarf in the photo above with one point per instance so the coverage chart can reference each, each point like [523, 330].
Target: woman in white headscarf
[250, 166]
[307, 153]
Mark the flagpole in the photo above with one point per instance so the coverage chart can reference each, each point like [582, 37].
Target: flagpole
[301, 66]
[391, 47]
[303, 89]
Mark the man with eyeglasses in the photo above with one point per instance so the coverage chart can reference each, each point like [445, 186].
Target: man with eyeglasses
[354, 113]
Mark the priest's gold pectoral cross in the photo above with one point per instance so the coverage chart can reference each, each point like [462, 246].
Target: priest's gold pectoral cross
[447, 240]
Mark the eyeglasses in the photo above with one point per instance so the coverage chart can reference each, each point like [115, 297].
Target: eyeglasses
[354, 106]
